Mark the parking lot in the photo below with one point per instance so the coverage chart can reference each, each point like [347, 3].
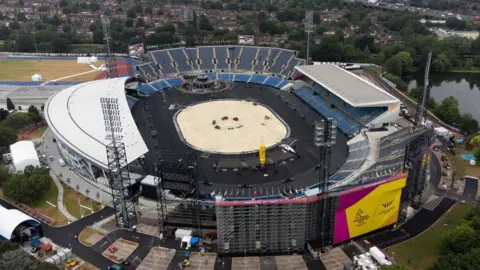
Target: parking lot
[158, 259]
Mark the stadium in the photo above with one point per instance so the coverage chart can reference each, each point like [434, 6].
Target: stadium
[195, 121]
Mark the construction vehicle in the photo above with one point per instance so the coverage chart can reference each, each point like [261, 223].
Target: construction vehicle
[70, 263]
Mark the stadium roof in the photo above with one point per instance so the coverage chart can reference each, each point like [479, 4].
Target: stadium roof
[75, 116]
[11, 218]
[24, 154]
[353, 89]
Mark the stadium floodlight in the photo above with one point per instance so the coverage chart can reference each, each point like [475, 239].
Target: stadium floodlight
[319, 133]
[332, 132]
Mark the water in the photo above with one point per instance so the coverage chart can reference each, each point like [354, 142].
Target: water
[463, 86]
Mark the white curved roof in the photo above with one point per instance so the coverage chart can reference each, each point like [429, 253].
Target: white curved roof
[75, 115]
[10, 220]
[24, 154]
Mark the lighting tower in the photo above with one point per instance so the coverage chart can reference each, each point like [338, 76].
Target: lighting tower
[308, 23]
[420, 115]
[325, 136]
[124, 201]
[110, 62]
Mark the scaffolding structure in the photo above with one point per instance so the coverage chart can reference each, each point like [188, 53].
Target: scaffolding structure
[124, 200]
[256, 227]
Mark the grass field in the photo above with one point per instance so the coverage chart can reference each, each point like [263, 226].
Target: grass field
[422, 250]
[48, 210]
[461, 166]
[22, 70]
[70, 199]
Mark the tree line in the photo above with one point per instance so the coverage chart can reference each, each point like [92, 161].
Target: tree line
[12, 124]
[28, 187]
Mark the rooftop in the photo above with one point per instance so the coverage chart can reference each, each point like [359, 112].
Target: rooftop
[75, 115]
[353, 89]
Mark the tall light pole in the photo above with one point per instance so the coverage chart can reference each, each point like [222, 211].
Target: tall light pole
[308, 23]
[35, 41]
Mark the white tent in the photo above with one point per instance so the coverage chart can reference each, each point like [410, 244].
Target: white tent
[10, 220]
[441, 131]
[37, 78]
[23, 155]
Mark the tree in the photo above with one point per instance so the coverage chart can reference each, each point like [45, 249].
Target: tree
[448, 110]
[140, 22]
[6, 246]
[21, 17]
[468, 124]
[34, 114]
[131, 13]
[55, 20]
[67, 28]
[17, 121]
[262, 16]
[14, 25]
[394, 66]
[28, 187]
[63, 3]
[204, 24]
[10, 105]
[3, 114]
[7, 136]
[129, 22]
[60, 45]
[397, 266]
[149, 10]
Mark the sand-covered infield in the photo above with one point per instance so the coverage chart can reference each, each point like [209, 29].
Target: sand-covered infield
[22, 70]
[204, 126]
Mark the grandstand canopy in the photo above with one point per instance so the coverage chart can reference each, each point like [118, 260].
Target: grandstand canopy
[75, 115]
[11, 218]
[353, 89]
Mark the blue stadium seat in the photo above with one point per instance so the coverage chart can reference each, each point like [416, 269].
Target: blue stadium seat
[175, 81]
[324, 107]
[180, 58]
[162, 58]
[146, 89]
[221, 57]
[242, 77]
[206, 58]
[273, 81]
[131, 101]
[246, 58]
[282, 84]
[280, 60]
[258, 78]
[261, 59]
[225, 76]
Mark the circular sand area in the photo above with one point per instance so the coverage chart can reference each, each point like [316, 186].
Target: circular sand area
[230, 126]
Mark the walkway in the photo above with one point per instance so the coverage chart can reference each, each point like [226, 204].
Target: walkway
[60, 204]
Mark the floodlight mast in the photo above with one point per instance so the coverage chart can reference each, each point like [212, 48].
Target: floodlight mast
[308, 25]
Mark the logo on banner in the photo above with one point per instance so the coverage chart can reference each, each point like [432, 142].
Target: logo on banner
[387, 204]
[387, 207]
[360, 218]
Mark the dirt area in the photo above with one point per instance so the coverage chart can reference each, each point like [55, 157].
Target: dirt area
[230, 126]
[90, 236]
[37, 133]
[202, 262]
[124, 248]
[86, 266]
[22, 70]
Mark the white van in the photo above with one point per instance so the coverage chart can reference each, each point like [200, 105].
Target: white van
[61, 162]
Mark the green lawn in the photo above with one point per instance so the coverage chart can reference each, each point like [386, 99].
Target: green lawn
[43, 207]
[465, 70]
[422, 250]
[71, 198]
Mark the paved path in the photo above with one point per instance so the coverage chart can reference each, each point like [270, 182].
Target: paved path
[60, 204]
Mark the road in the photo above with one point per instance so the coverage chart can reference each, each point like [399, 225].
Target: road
[437, 14]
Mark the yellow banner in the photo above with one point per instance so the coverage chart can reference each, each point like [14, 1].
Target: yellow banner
[376, 210]
[262, 154]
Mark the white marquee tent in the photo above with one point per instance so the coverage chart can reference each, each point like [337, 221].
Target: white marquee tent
[23, 155]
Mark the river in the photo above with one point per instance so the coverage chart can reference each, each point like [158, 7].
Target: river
[463, 86]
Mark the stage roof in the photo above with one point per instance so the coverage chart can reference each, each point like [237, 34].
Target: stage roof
[351, 88]
[76, 117]
[10, 220]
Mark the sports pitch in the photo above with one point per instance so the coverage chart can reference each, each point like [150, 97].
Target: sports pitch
[22, 70]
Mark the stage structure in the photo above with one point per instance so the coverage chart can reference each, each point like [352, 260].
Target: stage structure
[110, 62]
[325, 136]
[160, 200]
[124, 200]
